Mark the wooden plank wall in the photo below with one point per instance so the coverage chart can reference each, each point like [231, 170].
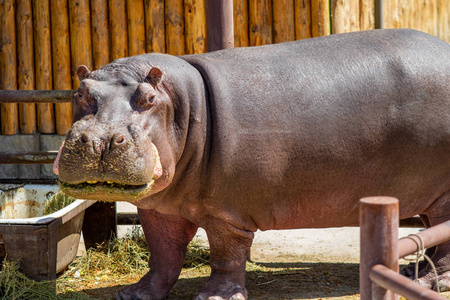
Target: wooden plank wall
[42, 42]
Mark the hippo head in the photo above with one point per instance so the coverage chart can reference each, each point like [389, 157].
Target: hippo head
[121, 145]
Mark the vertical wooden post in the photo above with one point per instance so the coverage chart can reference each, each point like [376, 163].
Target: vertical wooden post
[100, 33]
[61, 62]
[136, 27]
[43, 63]
[403, 13]
[303, 26]
[421, 15]
[367, 14]
[25, 63]
[320, 15]
[354, 15]
[240, 23]
[412, 8]
[154, 26]
[118, 27]
[195, 23]
[80, 36]
[260, 13]
[219, 24]
[386, 12]
[444, 20]
[418, 14]
[8, 66]
[432, 17]
[379, 220]
[340, 16]
[174, 25]
[394, 14]
[283, 21]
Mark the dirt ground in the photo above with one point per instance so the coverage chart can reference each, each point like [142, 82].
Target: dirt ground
[288, 264]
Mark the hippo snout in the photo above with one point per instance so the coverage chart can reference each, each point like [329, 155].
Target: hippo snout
[97, 161]
[103, 146]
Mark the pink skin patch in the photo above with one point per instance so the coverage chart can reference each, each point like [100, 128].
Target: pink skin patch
[157, 169]
[56, 162]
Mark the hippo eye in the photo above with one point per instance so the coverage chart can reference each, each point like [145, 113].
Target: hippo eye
[145, 103]
[83, 105]
[144, 97]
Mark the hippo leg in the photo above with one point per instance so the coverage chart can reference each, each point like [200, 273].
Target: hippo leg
[167, 238]
[229, 247]
[436, 214]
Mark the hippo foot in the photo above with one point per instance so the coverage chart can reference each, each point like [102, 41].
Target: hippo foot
[142, 290]
[222, 293]
[429, 281]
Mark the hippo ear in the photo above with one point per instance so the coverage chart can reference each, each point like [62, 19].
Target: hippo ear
[154, 76]
[83, 72]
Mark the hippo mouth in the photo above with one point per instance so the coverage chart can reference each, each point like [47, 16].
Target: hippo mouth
[106, 191]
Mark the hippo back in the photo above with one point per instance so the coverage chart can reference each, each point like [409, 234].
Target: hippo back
[327, 120]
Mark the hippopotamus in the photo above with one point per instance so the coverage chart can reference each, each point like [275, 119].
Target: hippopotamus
[279, 136]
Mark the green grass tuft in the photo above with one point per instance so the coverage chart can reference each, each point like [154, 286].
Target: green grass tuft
[57, 202]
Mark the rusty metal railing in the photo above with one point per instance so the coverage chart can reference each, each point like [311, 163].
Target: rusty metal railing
[381, 249]
[34, 96]
[28, 157]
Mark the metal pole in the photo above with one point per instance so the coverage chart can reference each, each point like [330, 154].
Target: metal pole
[379, 221]
[219, 24]
[431, 237]
[30, 157]
[379, 14]
[400, 284]
[36, 96]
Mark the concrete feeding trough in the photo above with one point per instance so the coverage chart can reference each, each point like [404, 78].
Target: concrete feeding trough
[46, 244]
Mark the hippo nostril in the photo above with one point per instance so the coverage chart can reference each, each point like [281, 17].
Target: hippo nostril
[84, 138]
[118, 141]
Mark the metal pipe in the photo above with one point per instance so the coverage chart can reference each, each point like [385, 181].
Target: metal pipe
[431, 237]
[400, 284]
[29, 157]
[379, 221]
[36, 96]
[379, 14]
[219, 24]
[128, 218]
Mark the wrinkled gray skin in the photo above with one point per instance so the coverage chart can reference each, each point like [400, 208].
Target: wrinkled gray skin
[273, 137]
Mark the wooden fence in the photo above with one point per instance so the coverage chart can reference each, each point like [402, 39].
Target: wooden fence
[43, 41]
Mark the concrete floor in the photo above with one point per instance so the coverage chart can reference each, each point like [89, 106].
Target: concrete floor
[330, 244]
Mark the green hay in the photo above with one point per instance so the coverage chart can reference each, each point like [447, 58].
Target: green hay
[129, 255]
[57, 202]
[121, 256]
[15, 285]
[197, 256]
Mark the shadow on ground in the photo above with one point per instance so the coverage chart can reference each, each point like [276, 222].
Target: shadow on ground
[276, 281]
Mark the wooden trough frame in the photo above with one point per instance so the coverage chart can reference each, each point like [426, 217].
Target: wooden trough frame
[381, 249]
